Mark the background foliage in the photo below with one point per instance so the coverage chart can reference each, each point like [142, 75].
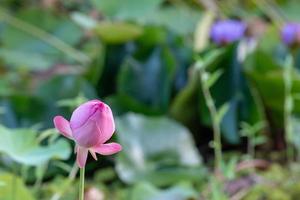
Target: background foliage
[139, 57]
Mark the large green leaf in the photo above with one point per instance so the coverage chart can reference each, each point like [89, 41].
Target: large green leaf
[22, 146]
[13, 187]
[148, 81]
[158, 150]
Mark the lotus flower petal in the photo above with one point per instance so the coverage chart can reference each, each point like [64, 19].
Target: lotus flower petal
[63, 126]
[107, 149]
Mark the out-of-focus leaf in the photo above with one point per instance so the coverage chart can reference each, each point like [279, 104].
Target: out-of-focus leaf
[269, 41]
[183, 106]
[18, 111]
[118, 32]
[179, 19]
[19, 41]
[153, 36]
[148, 82]
[59, 88]
[123, 103]
[73, 102]
[13, 187]
[65, 188]
[21, 145]
[157, 150]
[146, 191]
[230, 88]
[64, 87]
[27, 60]
[96, 50]
[105, 174]
[267, 76]
[127, 9]
[291, 10]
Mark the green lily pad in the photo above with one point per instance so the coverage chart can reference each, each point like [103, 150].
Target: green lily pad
[22, 146]
[156, 149]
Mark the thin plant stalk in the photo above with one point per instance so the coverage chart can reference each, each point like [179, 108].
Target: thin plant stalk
[288, 107]
[81, 184]
[215, 123]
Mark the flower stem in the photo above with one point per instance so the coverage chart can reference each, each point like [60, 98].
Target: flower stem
[81, 184]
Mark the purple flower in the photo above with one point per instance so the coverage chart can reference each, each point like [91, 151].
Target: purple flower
[90, 127]
[227, 31]
[290, 33]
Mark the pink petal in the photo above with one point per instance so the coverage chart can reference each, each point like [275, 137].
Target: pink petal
[107, 149]
[87, 135]
[105, 123]
[82, 154]
[63, 126]
[82, 113]
[93, 153]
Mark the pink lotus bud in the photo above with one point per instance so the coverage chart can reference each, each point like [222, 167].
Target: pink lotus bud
[90, 126]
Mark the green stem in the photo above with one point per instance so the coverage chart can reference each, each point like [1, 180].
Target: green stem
[215, 123]
[81, 184]
[288, 107]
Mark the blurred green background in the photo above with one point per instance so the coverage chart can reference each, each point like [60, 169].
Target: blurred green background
[140, 57]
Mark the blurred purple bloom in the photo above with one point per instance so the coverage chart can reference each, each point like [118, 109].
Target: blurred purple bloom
[290, 33]
[227, 31]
